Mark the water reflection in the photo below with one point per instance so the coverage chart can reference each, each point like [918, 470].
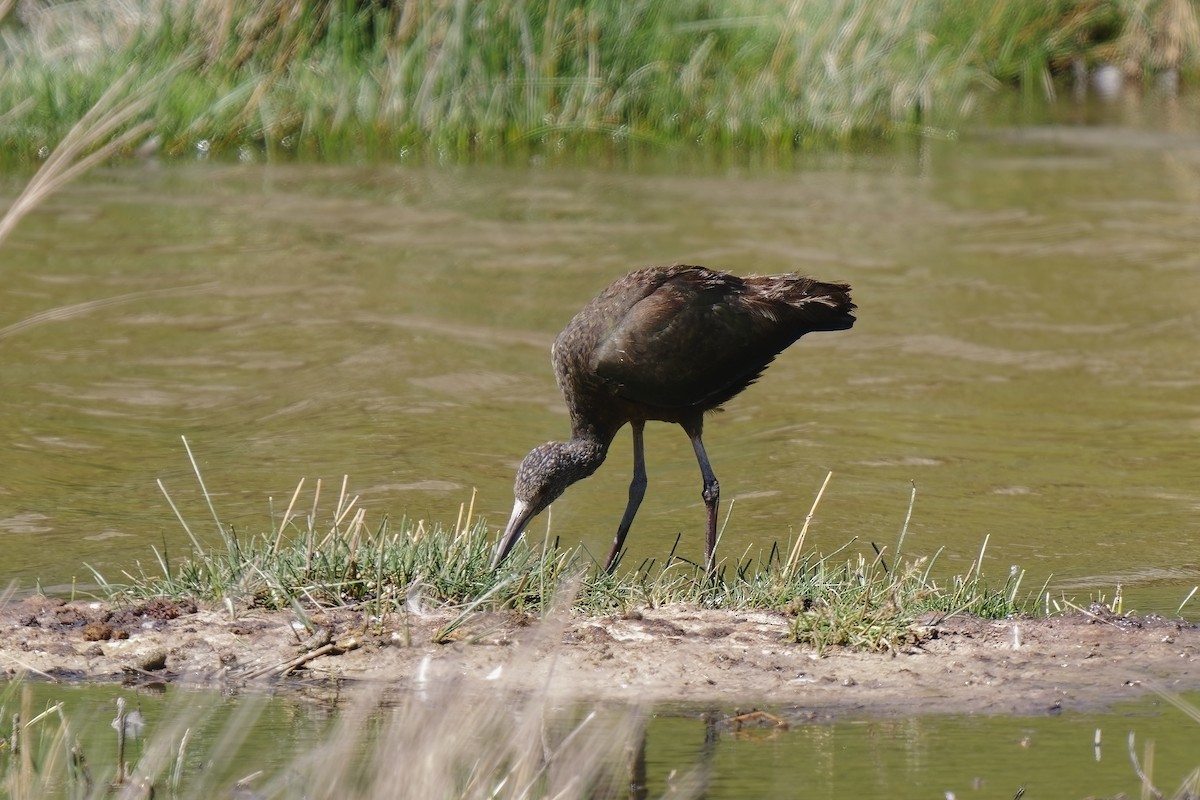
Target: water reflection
[1025, 352]
[275, 744]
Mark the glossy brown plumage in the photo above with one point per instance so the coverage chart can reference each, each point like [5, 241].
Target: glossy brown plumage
[669, 344]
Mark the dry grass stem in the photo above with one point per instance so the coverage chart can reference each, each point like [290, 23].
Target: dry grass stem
[89, 142]
[794, 558]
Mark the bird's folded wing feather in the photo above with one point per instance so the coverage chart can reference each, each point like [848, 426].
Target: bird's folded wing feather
[683, 345]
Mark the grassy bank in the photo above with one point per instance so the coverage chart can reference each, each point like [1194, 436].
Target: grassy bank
[372, 78]
[300, 563]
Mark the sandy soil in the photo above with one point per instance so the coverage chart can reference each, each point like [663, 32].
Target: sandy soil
[676, 654]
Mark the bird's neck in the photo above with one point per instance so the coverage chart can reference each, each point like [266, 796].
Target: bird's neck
[595, 426]
[586, 450]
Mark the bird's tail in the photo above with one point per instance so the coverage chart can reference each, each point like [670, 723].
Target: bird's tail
[828, 306]
[808, 304]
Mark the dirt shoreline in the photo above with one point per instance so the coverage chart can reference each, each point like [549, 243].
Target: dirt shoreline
[677, 654]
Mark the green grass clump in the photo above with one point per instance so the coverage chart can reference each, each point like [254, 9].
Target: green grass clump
[368, 78]
[852, 602]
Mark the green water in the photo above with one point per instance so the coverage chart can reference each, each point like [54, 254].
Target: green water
[933, 756]
[1026, 351]
[1051, 756]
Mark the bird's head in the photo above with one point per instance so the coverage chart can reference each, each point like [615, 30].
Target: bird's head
[542, 477]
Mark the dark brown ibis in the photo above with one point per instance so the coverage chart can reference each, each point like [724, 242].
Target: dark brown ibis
[669, 344]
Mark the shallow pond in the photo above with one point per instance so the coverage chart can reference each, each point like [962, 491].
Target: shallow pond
[1026, 356]
[1026, 351]
[273, 743]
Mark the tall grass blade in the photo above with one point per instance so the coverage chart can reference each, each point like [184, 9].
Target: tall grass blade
[203, 489]
[912, 501]
[794, 558]
[196, 548]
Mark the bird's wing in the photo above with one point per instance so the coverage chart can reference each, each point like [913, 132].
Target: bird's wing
[689, 344]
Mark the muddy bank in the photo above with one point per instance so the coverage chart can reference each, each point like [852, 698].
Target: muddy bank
[676, 654]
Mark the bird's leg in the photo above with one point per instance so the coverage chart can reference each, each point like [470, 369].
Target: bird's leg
[711, 494]
[637, 490]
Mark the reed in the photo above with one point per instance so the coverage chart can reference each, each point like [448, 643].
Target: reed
[450, 79]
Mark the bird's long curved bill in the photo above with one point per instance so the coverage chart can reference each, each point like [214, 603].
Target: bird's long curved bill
[521, 514]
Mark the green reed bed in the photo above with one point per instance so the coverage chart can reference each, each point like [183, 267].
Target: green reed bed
[355, 78]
